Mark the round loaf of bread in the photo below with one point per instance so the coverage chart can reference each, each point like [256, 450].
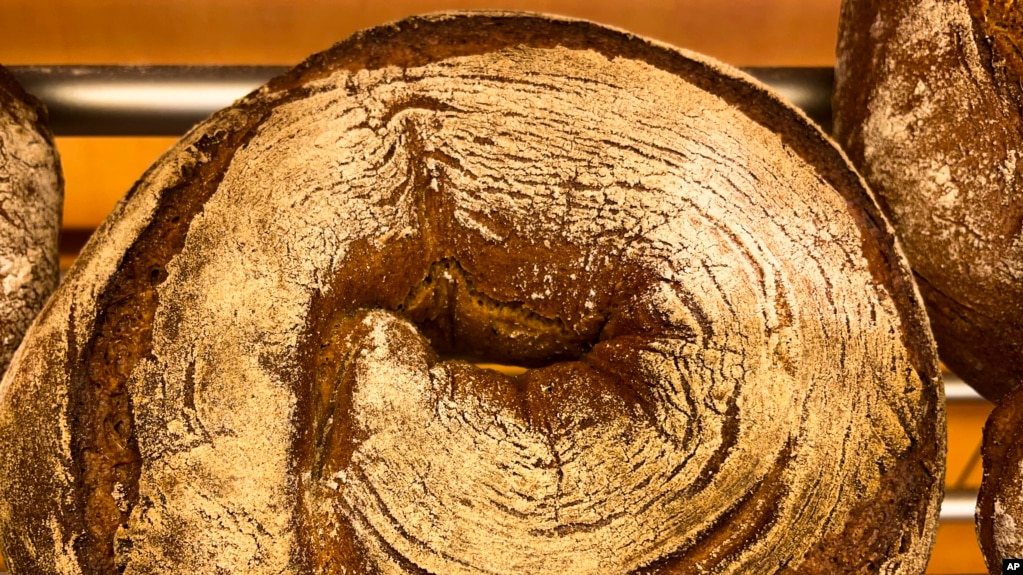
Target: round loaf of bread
[268, 359]
[928, 104]
[31, 196]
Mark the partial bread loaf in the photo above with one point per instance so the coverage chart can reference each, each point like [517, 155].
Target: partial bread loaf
[31, 193]
[1000, 505]
[258, 363]
[928, 104]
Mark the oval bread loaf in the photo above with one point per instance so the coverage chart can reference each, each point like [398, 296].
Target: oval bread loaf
[31, 196]
[265, 361]
[928, 104]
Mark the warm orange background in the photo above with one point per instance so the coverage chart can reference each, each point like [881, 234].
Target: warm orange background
[99, 170]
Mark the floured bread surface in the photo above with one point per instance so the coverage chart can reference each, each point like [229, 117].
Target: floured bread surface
[927, 103]
[728, 369]
[31, 192]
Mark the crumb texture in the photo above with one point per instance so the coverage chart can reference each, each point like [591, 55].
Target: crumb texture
[730, 382]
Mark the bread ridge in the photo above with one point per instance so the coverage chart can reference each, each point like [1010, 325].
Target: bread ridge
[862, 241]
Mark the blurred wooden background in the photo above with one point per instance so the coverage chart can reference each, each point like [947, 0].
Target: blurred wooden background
[99, 170]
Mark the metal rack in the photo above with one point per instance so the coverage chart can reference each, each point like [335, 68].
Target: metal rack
[167, 100]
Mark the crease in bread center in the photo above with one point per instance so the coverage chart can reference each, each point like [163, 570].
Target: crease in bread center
[462, 322]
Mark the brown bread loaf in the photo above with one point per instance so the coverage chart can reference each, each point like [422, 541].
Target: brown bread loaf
[265, 359]
[928, 104]
[31, 193]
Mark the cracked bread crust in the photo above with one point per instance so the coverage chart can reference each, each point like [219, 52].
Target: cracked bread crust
[31, 192]
[260, 363]
[928, 103]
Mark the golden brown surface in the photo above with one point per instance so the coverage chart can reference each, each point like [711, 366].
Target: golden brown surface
[100, 170]
[729, 260]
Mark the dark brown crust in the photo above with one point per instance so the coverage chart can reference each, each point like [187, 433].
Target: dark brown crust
[977, 324]
[1002, 22]
[849, 102]
[977, 347]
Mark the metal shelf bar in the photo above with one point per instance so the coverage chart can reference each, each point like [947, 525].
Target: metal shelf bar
[168, 100]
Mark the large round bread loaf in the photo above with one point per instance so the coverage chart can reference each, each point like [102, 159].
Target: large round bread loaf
[263, 362]
[928, 104]
[31, 195]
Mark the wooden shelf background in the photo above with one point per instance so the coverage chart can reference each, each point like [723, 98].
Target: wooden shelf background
[99, 170]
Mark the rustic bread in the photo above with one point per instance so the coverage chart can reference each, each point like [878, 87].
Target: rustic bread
[928, 104]
[31, 194]
[263, 362]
